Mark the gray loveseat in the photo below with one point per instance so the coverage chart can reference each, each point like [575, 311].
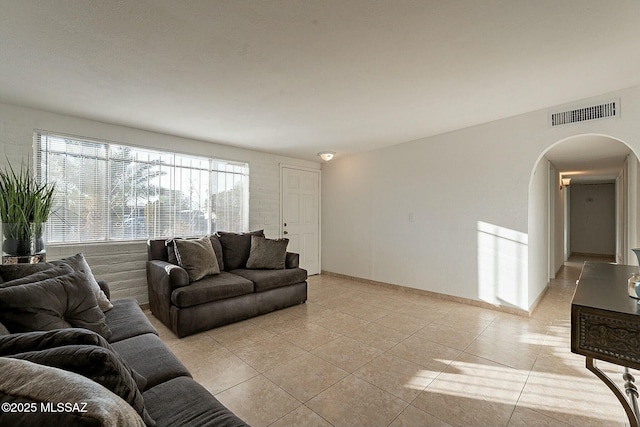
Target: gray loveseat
[234, 294]
[126, 358]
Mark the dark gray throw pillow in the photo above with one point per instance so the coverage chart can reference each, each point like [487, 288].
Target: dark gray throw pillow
[16, 271]
[196, 256]
[44, 340]
[217, 248]
[267, 254]
[59, 270]
[236, 248]
[56, 303]
[79, 263]
[171, 250]
[98, 364]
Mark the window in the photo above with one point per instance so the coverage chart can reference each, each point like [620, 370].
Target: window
[107, 191]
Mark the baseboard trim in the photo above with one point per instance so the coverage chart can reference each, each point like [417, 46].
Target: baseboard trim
[591, 255]
[537, 301]
[452, 298]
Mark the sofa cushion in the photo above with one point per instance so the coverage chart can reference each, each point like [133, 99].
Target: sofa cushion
[197, 257]
[269, 279]
[26, 382]
[236, 248]
[165, 403]
[97, 363]
[127, 320]
[59, 302]
[79, 263]
[267, 254]
[212, 288]
[59, 270]
[149, 357]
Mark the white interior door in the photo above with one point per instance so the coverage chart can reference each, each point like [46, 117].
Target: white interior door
[301, 215]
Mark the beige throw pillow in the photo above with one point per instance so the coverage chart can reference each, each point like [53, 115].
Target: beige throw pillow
[267, 254]
[29, 382]
[197, 257]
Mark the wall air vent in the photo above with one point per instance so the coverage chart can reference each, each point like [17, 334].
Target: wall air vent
[583, 114]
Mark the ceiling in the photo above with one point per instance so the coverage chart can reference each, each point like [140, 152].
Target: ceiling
[589, 158]
[295, 77]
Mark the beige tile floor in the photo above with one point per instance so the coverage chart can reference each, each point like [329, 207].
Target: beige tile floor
[362, 355]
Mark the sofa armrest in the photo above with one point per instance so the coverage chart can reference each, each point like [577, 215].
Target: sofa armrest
[162, 271]
[162, 279]
[292, 260]
[105, 288]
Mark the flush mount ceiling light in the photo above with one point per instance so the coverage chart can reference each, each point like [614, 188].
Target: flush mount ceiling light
[326, 155]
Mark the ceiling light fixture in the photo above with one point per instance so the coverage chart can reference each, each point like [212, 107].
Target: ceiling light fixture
[326, 155]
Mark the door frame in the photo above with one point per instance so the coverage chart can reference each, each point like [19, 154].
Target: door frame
[284, 166]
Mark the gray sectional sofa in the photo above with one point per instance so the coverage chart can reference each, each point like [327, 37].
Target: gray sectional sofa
[241, 289]
[118, 359]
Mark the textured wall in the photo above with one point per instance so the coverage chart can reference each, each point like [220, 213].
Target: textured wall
[123, 264]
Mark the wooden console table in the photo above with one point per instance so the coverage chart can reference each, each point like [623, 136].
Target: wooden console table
[605, 325]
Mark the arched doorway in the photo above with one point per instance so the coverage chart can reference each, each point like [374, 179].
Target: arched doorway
[586, 159]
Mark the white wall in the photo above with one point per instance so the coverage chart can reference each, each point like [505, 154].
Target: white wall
[123, 265]
[451, 183]
[538, 226]
[634, 205]
[559, 223]
[558, 196]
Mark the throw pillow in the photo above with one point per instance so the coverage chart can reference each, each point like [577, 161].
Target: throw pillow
[15, 271]
[217, 248]
[59, 270]
[41, 340]
[236, 248]
[79, 263]
[54, 303]
[196, 256]
[3, 330]
[24, 381]
[215, 242]
[171, 251]
[99, 364]
[267, 254]
[44, 340]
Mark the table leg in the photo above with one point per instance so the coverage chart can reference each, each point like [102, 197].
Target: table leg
[630, 389]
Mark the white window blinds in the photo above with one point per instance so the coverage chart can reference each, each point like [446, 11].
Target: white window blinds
[107, 191]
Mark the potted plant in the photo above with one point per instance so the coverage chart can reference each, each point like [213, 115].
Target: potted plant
[25, 205]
